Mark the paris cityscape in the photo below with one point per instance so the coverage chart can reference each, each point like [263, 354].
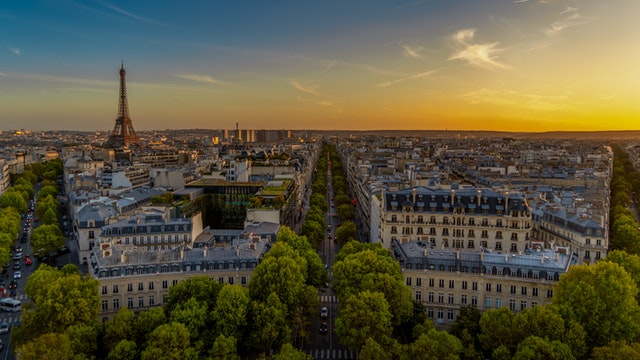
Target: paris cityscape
[453, 187]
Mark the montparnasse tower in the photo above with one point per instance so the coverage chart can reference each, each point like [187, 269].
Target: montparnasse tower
[123, 134]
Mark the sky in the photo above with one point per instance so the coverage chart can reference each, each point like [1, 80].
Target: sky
[504, 65]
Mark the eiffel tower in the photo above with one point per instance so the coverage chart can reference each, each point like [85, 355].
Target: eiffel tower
[123, 134]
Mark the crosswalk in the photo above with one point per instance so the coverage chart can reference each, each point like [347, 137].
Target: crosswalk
[328, 299]
[319, 354]
[11, 319]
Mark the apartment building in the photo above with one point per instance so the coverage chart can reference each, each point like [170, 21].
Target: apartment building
[446, 280]
[140, 280]
[466, 218]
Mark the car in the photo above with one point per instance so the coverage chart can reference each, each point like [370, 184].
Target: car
[13, 284]
[324, 328]
[28, 261]
[18, 249]
[17, 275]
[324, 312]
[17, 265]
[63, 250]
[13, 293]
[17, 256]
[4, 328]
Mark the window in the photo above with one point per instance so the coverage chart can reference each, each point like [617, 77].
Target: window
[498, 234]
[408, 281]
[523, 305]
[487, 302]
[151, 285]
[92, 235]
[243, 280]
[597, 255]
[430, 297]
[534, 303]
[230, 280]
[464, 285]
[463, 299]
[140, 286]
[550, 293]
[498, 303]
[165, 298]
[452, 284]
[140, 301]
[431, 282]
[498, 245]
[104, 289]
[441, 283]
[534, 291]
[450, 315]
[130, 303]
[451, 299]
[523, 290]
[441, 298]
[474, 301]
[152, 300]
[513, 289]
[174, 282]
[487, 287]
[221, 280]
[499, 288]
[116, 304]
[115, 288]
[418, 281]
[440, 315]
[165, 284]
[474, 285]
[512, 305]
[129, 287]
[105, 305]
[418, 295]
[430, 313]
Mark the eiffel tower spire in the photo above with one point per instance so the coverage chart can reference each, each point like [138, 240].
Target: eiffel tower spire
[123, 134]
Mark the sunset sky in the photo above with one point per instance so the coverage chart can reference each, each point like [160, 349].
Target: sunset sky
[518, 65]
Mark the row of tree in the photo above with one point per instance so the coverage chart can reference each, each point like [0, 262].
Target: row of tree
[345, 212]
[625, 186]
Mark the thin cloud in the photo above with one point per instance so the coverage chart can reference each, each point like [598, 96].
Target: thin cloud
[519, 1]
[570, 18]
[126, 13]
[202, 78]
[15, 50]
[421, 75]
[482, 55]
[308, 89]
[412, 52]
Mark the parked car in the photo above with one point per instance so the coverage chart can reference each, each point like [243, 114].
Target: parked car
[4, 328]
[28, 261]
[324, 328]
[17, 265]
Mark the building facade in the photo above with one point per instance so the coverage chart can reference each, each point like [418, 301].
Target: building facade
[468, 219]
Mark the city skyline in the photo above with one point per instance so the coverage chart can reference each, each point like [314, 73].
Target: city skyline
[519, 65]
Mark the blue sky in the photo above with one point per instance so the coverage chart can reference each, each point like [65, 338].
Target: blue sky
[523, 65]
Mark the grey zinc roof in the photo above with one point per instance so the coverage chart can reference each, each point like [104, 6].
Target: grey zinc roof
[96, 211]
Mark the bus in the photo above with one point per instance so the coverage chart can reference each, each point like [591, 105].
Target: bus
[11, 305]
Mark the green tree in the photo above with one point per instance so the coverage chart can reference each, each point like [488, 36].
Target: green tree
[224, 348]
[147, 322]
[58, 301]
[371, 350]
[25, 188]
[345, 212]
[535, 348]
[364, 316]
[231, 311]
[169, 342]
[50, 217]
[279, 274]
[47, 238]
[201, 288]
[47, 191]
[124, 350]
[288, 352]
[49, 346]
[496, 328]
[602, 298]
[194, 315]
[617, 350]
[436, 345]
[269, 325]
[346, 232]
[32, 175]
[313, 231]
[48, 202]
[629, 262]
[13, 199]
[122, 327]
